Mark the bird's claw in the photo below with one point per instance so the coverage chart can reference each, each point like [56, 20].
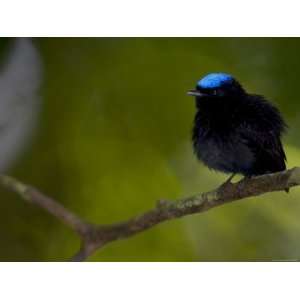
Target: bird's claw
[227, 182]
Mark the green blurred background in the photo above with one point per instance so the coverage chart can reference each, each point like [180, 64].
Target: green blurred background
[113, 137]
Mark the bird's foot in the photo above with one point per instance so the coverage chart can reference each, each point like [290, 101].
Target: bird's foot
[246, 178]
[227, 183]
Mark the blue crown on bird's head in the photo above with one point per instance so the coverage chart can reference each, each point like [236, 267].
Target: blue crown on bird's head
[214, 80]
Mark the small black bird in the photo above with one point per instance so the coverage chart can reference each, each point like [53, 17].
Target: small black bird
[236, 132]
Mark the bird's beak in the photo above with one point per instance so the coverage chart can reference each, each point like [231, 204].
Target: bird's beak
[195, 93]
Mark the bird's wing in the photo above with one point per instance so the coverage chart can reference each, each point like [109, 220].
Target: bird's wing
[261, 132]
[264, 144]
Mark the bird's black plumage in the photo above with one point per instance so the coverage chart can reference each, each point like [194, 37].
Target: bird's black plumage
[236, 132]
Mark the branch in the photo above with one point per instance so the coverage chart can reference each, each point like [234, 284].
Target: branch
[95, 236]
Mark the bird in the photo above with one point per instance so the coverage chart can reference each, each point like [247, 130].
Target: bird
[236, 132]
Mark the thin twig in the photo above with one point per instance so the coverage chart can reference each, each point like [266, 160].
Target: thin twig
[94, 237]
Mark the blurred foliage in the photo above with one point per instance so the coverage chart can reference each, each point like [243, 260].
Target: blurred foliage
[114, 137]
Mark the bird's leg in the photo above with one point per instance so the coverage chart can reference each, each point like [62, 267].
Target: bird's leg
[247, 177]
[228, 181]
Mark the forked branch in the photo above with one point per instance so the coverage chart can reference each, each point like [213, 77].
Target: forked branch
[95, 236]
